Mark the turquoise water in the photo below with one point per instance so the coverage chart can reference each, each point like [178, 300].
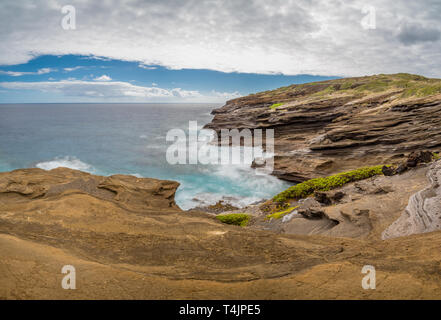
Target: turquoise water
[107, 139]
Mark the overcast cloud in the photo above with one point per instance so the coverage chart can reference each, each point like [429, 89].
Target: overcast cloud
[257, 36]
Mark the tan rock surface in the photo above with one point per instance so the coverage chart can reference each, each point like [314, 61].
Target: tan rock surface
[128, 240]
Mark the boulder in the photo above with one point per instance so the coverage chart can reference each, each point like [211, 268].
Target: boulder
[323, 198]
[388, 171]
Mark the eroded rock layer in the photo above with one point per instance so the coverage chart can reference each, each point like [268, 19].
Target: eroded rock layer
[423, 212]
[330, 126]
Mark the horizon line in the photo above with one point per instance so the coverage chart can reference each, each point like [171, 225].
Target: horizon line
[112, 102]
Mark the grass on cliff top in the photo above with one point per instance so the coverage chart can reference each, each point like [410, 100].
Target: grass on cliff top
[306, 188]
[280, 214]
[409, 85]
[422, 90]
[238, 219]
[405, 85]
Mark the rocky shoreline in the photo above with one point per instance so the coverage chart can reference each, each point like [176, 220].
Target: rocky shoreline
[404, 200]
[372, 148]
[128, 240]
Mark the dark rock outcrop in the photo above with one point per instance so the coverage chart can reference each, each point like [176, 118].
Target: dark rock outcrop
[327, 198]
[388, 171]
[414, 159]
[322, 197]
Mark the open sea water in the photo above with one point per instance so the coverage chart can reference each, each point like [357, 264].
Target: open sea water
[108, 139]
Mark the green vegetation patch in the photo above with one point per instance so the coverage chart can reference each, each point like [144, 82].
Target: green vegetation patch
[304, 189]
[238, 219]
[280, 214]
[412, 85]
[422, 90]
[375, 86]
[327, 91]
[436, 156]
[403, 84]
[410, 77]
[275, 105]
[347, 85]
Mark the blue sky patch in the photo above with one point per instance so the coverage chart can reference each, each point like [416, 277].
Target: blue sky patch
[75, 78]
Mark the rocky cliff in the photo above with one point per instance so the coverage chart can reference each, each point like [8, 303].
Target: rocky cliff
[332, 126]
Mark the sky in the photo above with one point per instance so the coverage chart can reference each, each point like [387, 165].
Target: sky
[205, 50]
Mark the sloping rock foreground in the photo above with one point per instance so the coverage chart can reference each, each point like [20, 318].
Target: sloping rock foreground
[423, 212]
[332, 126]
[127, 239]
[363, 209]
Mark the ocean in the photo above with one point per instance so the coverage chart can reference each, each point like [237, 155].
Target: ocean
[108, 139]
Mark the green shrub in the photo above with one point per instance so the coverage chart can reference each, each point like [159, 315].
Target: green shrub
[280, 214]
[238, 219]
[304, 189]
[436, 156]
[275, 105]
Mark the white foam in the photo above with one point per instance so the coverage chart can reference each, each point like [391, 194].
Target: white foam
[136, 175]
[243, 177]
[67, 162]
[246, 177]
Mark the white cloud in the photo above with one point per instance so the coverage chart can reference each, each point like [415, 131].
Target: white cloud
[258, 36]
[226, 95]
[72, 69]
[20, 73]
[103, 78]
[146, 67]
[116, 91]
[94, 57]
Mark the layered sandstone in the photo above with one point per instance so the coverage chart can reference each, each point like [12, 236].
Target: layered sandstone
[332, 126]
[423, 211]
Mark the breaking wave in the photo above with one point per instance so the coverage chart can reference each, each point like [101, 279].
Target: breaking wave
[67, 162]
